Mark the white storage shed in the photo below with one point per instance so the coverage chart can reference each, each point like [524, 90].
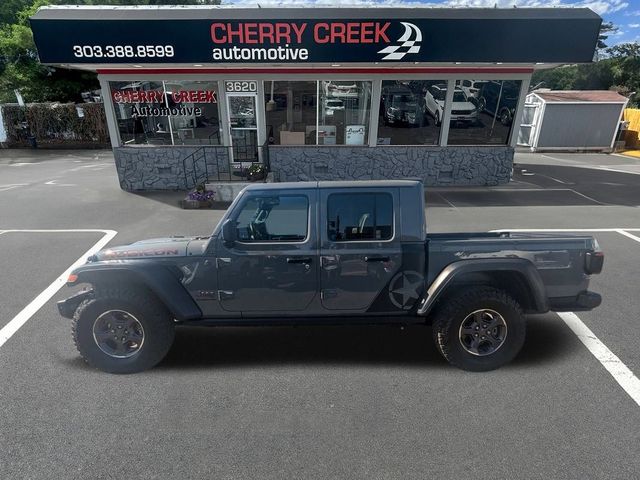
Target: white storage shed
[580, 120]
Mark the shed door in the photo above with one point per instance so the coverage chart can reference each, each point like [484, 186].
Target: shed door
[527, 127]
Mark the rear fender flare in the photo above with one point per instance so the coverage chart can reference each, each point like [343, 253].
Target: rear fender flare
[486, 265]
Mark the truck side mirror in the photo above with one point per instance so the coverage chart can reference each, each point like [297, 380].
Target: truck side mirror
[229, 232]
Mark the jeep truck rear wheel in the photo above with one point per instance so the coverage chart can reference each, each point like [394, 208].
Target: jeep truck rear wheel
[479, 328]
[122, 330]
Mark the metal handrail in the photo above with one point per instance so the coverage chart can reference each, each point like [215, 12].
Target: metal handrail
[198, 175]
[192, 156]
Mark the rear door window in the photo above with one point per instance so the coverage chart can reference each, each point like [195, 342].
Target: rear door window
[359, 217]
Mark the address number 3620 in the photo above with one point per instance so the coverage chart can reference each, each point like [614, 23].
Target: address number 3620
[241, 86]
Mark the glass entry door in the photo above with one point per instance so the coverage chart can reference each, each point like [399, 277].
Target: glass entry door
[243, 125]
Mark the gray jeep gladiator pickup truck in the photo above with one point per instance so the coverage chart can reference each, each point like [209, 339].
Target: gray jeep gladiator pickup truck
[328, 253]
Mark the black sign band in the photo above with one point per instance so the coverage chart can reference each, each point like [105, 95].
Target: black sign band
[386, 41]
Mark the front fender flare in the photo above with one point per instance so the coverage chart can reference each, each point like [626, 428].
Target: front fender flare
[156, 278]
[486, 265]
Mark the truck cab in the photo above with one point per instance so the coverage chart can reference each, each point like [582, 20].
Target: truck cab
[276, 253]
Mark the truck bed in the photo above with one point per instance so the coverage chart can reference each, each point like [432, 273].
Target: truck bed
[560, 259]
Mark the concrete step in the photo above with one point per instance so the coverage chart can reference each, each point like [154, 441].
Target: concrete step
[227, 191]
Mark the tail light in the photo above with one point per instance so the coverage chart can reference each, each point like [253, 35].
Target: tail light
[594, 262]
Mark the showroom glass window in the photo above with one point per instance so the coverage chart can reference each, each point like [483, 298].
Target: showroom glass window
[359, 216]
[324, 112]
[176, 112]
[343, 112]
[482, 111]
[410, 112]
[282, 218]
[291, 109]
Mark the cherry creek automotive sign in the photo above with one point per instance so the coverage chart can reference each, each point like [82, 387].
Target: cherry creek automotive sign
[200, 41]
[164, 103]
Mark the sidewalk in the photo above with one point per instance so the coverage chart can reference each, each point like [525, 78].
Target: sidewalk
[37, 155]
[614, 162]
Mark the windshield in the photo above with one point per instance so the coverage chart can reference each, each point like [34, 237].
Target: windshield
[403, 100]
[459, 97]
[438, 94]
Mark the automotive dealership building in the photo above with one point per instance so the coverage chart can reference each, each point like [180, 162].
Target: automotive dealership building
[197, 93]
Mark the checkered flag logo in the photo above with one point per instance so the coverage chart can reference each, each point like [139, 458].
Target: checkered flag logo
[397, 52]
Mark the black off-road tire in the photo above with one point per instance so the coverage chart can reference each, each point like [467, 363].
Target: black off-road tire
[455, 308]
[157, 322]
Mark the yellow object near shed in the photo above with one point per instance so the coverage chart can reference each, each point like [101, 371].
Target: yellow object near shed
[632, 135]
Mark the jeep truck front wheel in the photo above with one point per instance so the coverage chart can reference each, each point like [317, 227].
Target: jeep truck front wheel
[122, 330]
[479, 328]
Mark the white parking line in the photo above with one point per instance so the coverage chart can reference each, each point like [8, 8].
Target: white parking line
[11, 186]
[618, 370]
[36, 304]
[570, 230]
[627, 234]
[617, 170]
[53, 182]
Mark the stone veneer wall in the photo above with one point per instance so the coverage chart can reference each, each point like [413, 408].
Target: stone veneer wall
[165, 168]
[436, 166]
[169, 168]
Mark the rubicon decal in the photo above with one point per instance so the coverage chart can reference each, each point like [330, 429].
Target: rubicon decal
[161, 252]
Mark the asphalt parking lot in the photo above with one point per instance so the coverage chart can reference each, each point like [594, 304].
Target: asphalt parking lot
[311, 402]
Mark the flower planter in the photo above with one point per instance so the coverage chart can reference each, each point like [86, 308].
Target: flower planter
[189, 204]
[257, 176]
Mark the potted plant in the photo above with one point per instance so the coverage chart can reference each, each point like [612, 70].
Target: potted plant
[256, 172]
[199, 197]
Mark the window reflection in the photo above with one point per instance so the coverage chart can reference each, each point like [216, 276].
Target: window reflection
[344, 112]
[324, 112]
[404, 118]
[482, 111]
[291, 112]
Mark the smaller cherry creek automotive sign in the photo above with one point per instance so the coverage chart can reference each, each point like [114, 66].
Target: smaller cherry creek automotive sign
[221, 41]
[164, 103]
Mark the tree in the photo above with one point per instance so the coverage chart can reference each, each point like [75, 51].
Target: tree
[20, 69]
[606, 29]
[9, 10]
[624, 50]
[19, 66]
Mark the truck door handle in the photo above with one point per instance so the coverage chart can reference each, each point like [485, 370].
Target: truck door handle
[306, 260]
[225, 295]
[376, 259]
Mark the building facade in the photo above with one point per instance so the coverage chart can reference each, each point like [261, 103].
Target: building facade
[314, 94]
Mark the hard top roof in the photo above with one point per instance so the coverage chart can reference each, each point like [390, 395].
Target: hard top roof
[336, 184]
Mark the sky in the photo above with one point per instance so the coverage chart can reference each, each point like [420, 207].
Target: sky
[623, 13]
